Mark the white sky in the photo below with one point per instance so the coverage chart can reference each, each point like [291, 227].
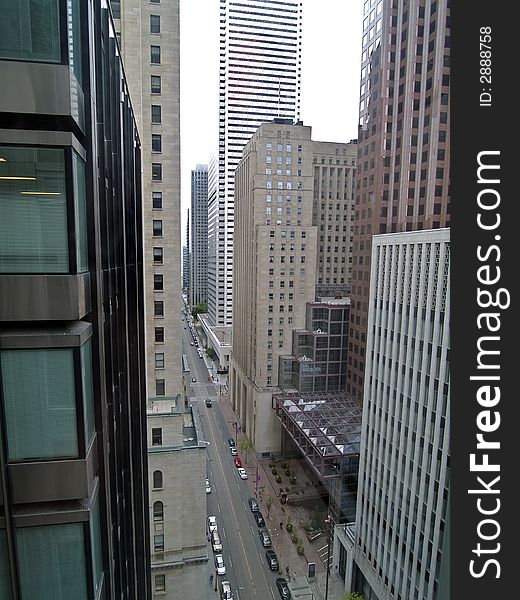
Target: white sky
[331, 50]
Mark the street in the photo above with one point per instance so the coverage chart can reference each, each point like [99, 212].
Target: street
[244, 556]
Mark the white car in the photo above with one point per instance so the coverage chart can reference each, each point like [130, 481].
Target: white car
[242, 473]
[212, 524]
[219, 564]
[234, 451]
[208, 486]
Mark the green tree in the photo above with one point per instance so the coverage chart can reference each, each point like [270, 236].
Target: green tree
[353, 596]
[246, 445]
[211, 353]
[200, 308]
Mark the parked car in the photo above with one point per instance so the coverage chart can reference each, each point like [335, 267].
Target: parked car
[234, 451]
[216, 542]
[242, 473]
[259, 518]
[208, 486]
[272, 560]
[264, 538]
[219, 564]
[253, 505]
[212, 523]
[225, 591]
[283, 588]
[238, 462]
[231, 442]
[208, 402]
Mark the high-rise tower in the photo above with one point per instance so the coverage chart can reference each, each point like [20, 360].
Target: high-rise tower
[403, 150]
[260, 74]
[199, 236]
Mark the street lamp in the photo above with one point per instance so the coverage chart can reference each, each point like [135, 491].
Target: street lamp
[328, 522]
[235, 425]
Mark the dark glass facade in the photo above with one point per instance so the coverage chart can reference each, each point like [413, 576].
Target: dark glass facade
[73, 462]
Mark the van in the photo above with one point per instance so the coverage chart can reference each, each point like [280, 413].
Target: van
[216, 543]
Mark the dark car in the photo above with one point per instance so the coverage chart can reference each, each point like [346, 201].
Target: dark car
[259, 519]
[283, 588]
[253, 505]
[208, 402]
[231, 442]
[272, 560]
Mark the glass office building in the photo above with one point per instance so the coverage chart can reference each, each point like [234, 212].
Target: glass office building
[73, 477]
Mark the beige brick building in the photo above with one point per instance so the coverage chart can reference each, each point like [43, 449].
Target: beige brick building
[149, 39]
[283, 248]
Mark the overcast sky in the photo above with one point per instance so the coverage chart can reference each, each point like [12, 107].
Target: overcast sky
[331, 49]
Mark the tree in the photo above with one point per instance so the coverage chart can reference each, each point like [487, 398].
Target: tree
[269, 503]
[211, 353]
[246, 445]
[202, 307]
[353, 596]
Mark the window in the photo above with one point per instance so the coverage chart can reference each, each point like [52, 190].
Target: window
[159, 360]
[156, 113]
[155, 55]
[155, 84]
[158, 542]
[30, 31]
[51, 561]
[160, 583]
[33, 221]
[156, 436]
[157, 228]
[157, 479]
[160, 387]
[157, 200]
[158, 256]
[158, 282]
[156, 172]
[158, 309]
[38, 390]
[156, 142]
[155, 24]
[159, 335]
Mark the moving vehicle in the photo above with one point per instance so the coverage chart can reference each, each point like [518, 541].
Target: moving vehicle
[193, 380]
[225, 591]
[208, 402]
[283, 588]
[272, 560]
[238, 462]
[191, 344]
[208, 486]
[212, 523]
[253, 504]
[242, 473]
[265, 538]
[216, 542]
[219, 565]
[259, 518]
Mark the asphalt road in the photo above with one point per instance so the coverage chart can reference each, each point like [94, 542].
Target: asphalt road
[243, 553]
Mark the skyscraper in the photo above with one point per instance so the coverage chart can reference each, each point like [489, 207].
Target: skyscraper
[199, 236]
[260, 74]
[149, 35]
[403, 150]
[294, 200]
[73, 468]
[400, 541]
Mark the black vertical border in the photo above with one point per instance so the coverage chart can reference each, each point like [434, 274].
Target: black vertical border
[476, 129]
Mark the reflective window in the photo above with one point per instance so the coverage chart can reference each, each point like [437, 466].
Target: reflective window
[30, 30]
[33, 211]
[51, 561]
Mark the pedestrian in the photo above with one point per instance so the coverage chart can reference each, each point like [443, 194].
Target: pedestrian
[287, 571]
[281, 525]
[211, 578]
